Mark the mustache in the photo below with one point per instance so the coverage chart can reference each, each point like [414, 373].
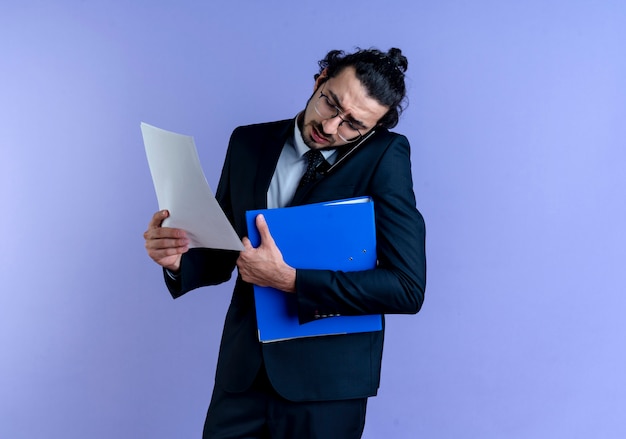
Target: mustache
[320, 130]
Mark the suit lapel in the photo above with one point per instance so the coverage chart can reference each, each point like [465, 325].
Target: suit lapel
[270, 150]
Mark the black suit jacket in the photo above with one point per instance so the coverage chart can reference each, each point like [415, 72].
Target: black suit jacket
[320, 368]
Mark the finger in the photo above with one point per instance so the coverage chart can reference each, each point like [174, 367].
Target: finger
[246, 243]
[157, 218]
[164, 233]
[158, 254]
[171, 261]
[264, 230]
[167, 245]
[162, 243]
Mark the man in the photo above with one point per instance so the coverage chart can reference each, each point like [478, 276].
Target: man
[310, 387]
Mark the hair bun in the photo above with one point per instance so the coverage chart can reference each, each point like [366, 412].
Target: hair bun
[400, 62]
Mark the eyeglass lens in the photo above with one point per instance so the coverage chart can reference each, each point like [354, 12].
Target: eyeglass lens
[326, 109]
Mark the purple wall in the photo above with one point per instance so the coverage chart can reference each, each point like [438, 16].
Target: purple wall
[516, 120]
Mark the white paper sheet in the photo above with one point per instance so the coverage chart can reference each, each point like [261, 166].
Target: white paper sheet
[182, 188]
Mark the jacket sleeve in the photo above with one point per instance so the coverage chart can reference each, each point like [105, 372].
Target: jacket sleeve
[200, 267]
[203, 266]
[397, 284]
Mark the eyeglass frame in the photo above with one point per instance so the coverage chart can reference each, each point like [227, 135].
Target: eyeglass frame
[337, 114]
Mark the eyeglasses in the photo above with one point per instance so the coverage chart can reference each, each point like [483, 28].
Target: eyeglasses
[326, 109]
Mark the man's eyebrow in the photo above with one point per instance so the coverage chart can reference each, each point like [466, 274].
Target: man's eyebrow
[338, 103]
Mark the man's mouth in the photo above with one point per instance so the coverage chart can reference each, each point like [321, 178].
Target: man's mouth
[317, 137]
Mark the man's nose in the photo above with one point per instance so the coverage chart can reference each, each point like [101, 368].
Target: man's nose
[331, 125]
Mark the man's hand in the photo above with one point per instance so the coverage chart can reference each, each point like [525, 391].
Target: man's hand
[165, 245]
[264, 265]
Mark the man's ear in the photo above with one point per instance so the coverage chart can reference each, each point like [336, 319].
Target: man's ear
[323, 77]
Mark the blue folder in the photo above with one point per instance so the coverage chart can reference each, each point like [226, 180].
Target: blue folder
[338, 235]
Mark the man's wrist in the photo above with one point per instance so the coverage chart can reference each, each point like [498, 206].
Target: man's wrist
[287, 280]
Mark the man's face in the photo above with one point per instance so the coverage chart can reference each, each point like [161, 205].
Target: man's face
[345, 92]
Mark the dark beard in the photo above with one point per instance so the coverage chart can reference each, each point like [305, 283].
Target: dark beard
[320, 131]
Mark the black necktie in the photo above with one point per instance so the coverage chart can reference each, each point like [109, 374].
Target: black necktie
[314, 158]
